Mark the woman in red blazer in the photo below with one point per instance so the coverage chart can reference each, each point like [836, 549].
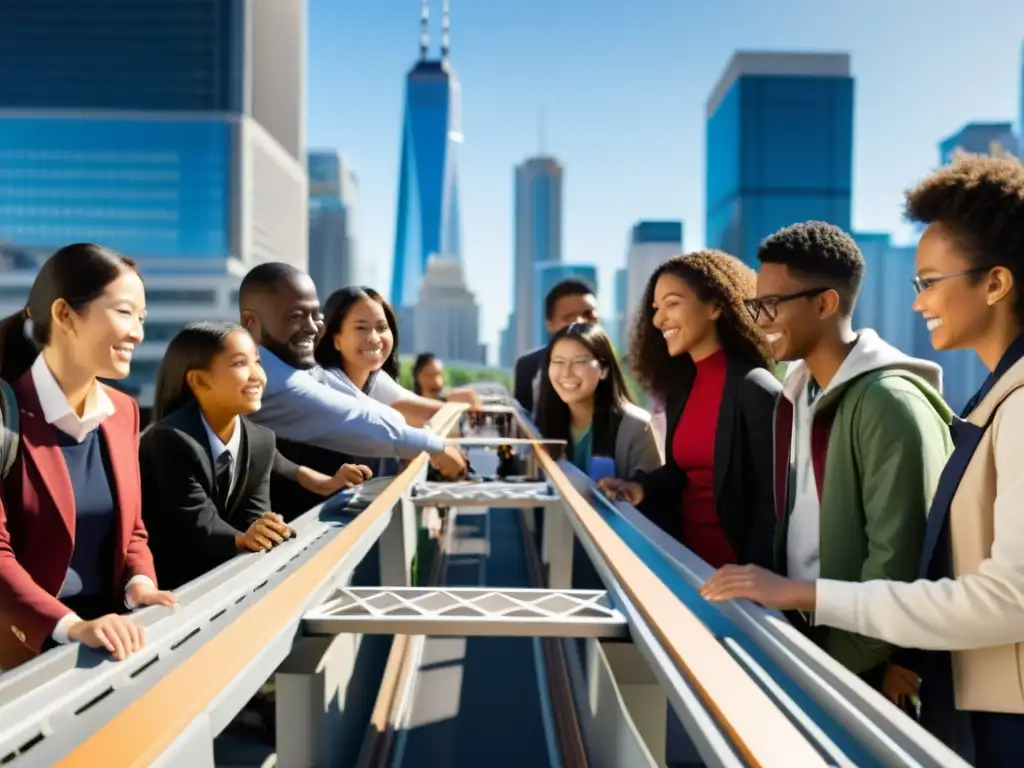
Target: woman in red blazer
[73, 549]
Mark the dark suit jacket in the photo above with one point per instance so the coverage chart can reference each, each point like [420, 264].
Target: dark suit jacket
[191, 532]
[37, 523]
[526, 371]
[742, 461]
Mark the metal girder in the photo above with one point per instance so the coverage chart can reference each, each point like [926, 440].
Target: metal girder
[467, 612]
[471, 494]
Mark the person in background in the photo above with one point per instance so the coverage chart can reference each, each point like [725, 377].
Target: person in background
[696, 347]
[428, 376]
[969, 594]
[359, 354]
[315, 423]
[584, 401]
[73, 548]
[205, 466]
[861, 435]
[570, 301]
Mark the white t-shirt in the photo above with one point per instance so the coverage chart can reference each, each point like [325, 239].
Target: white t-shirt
[803, 538]
[386, 390]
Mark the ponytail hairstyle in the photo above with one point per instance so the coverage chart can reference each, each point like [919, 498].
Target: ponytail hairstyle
[192, 349]
[78, 274]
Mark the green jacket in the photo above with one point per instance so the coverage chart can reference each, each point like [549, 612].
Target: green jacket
[879, 441]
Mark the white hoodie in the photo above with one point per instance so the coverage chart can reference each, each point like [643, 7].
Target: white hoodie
[870, 353]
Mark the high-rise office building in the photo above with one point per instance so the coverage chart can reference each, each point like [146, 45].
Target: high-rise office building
[979, 139]
[332, 244]
[538, 240]
[546, 276]
[619, 326]
[779, 147]
[170, 130]
[447, 318]
[651, 244]
[428, 184]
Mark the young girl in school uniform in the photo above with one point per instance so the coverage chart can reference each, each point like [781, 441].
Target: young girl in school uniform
[205, 466]
[73, 549]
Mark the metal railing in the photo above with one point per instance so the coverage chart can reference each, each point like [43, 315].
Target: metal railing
[748, 689]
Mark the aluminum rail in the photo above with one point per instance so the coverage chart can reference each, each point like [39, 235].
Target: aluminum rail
[164, 705]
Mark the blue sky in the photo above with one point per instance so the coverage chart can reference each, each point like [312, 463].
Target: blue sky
[623, 88]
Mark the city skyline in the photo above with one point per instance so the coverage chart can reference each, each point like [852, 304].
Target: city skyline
[633, 149]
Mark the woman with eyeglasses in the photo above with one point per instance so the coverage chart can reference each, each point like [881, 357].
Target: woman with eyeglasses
[697, 348]
[967, 606]
[584, 401]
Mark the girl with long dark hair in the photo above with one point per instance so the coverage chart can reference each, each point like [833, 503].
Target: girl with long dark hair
[358, 350]
[584, 401]
[73, 548]
[695, 347]
[205, 466]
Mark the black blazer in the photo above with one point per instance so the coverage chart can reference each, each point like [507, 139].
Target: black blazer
[189, 531]
[742, 461]
[526, 371]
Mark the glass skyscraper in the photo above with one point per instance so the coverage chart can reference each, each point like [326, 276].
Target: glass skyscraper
[170, 130]
[428, 186]
[979, 139]
[538, 240]
[779, 147]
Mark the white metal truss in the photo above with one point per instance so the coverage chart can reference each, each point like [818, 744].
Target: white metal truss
[467, 612]
[470, 494]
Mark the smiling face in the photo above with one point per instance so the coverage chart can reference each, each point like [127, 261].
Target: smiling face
[287, 320]
[574, 371]
[575, 308]
[792, 326]
[957, 301]
[365, 340]
[686, 323]
[102, 337]
[234, 381]
[431, 378]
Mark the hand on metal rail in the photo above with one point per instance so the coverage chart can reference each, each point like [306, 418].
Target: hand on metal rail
[450, 462]
[732, 582]
[270, 529]
[622, 490]
[118, 634]
[349, 475]
[143, 593]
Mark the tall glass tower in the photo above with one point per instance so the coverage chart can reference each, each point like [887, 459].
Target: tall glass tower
[428, 189]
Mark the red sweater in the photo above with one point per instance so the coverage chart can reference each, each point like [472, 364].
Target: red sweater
[693, 448]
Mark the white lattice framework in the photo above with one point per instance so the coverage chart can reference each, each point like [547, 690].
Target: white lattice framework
[467, 612]
[503, 495]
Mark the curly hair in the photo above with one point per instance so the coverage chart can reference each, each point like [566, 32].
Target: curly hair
[822, 252]
[715, 277]
[979, 201]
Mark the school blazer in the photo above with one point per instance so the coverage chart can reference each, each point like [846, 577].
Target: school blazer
[191, 532]
[742, 461]
[636, 447]
[37, 522]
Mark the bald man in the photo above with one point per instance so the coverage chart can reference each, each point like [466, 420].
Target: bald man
[279, 307]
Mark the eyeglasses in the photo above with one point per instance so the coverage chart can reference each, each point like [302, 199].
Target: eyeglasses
[576, 363]
[769, 305]
[922, 284]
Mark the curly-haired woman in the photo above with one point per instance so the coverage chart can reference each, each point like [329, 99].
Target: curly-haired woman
[695, 347]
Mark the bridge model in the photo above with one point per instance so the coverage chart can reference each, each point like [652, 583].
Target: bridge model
[551, 628]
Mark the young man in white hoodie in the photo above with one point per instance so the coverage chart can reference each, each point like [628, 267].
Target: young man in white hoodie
[861, 436]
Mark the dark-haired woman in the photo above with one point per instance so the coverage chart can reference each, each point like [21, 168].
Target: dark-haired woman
[205, 467]
[969, 599]
[695, 347]
[359, 352]
[73, 548]
[584, 401]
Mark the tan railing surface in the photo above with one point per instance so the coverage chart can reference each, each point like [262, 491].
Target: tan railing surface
[750, 723]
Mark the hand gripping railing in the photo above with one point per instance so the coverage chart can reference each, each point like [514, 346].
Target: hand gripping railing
[73, 707]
